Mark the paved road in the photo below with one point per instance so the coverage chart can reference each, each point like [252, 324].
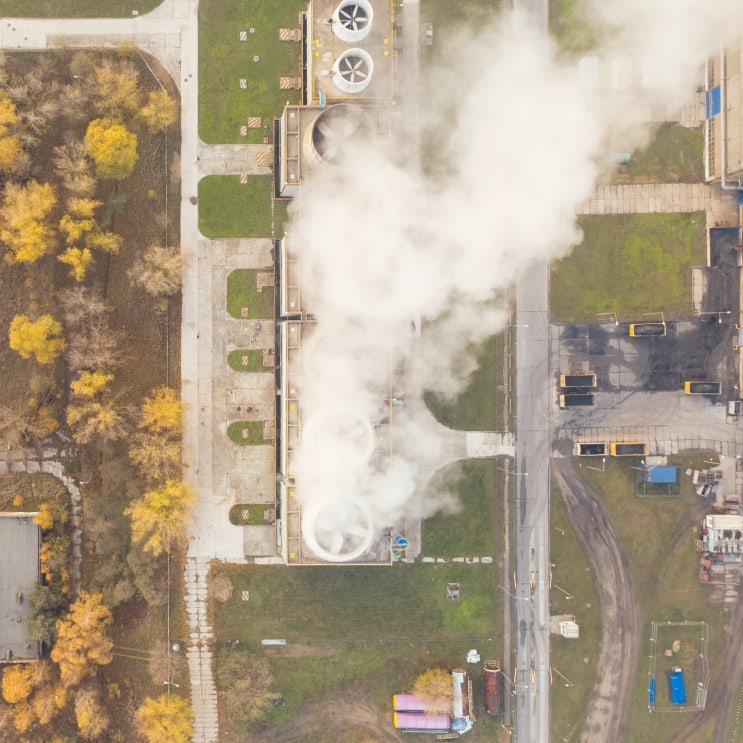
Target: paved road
[532, 480]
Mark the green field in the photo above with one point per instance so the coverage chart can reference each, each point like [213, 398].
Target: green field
[629, 264]
[228, 208]
[74, 8]
[353, 603]
[479, 406]
[242, 294]
[224, 60]
[237, 430]
[476, 484]
[568, 25]
[657, 540]
[675, 154]
[247, 359]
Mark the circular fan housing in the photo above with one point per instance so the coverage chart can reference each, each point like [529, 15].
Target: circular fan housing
[352, 71]
[338, 532]
[352, 20]
[336, 129]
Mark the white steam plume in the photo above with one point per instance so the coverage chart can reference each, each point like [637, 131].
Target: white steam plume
[523, 142]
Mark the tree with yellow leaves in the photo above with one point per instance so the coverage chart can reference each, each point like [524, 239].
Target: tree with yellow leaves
[160, 517]
[82, 642]
[22, 221]
[435, 688]
[156, 448]
[12, 156]
[78, 259]
[40, 338]
[91, 383]
[17, 683]
[112, 147]
[162, 412]
[166, 719]
[106, 242]
[161, 111]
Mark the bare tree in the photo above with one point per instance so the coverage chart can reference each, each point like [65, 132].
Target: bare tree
[94, 347]
[159, 271]
[82, 306]
[72, 165]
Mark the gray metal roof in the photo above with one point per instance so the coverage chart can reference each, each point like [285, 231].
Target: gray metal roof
[20, 540]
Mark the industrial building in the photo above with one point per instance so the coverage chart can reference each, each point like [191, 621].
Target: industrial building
[723, 130]
[347, 97]
[20, 538]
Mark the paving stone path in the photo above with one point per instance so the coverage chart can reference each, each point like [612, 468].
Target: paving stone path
[721, 206]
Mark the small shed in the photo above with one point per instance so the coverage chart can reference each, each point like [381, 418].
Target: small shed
[676, 690]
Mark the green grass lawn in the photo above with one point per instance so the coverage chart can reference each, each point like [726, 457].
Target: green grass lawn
[362, 673]
[224, 60]
[572, 573]
[674, 155]
[237, 429]
[478, 407]
[629, 264]
[476, 483]
[228, 208]
[247, 360]
[255, 511]
[242, 292]
[567, 23]
[352, 603]
[74, 8]
[657, 540]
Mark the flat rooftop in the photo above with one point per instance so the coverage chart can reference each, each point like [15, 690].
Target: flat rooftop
[20, 538]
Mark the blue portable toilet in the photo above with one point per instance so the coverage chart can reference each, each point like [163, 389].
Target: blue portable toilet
[676, 689]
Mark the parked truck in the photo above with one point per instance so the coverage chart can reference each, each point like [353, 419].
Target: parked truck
[642, 329]
[577, 400]
[577, 380]
[585, 449]
[628, 449]
[702, 387]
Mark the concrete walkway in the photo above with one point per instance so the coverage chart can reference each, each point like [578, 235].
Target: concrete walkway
[721, 206]
[235, 159]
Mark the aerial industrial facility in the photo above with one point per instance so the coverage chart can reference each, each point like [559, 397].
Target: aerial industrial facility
[347, 95]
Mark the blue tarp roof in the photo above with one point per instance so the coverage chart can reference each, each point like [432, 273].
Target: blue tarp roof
[676, 687]
[651, 690]
[661, 474]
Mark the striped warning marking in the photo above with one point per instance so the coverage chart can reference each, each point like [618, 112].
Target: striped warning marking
[243, 312]
[243, 131]
[244, 83]
[243, 35]
[246, 595]
[243, 178]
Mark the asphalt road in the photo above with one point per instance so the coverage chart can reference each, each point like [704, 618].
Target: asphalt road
[531, 513]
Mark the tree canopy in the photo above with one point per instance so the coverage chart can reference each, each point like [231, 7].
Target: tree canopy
[113, 148]
[83, 642]
[435, 688]
[166, 719]
[22, 221]
[40, 338]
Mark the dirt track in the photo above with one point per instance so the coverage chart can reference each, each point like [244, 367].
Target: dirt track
[608, 708]
[323, 722]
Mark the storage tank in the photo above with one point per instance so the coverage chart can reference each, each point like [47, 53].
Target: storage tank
[408, 703]
[493, 687]
[420, 722]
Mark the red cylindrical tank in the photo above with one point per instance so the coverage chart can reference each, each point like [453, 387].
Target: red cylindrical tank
[493, 687]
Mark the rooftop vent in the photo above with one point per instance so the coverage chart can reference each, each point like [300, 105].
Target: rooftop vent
[352, 71]
[352, 20]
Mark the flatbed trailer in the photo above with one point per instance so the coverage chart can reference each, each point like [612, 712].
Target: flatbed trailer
[642, 329]
[702, 387]
[577, 400]
[628, 449]
[586, 449]
[577, 380]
